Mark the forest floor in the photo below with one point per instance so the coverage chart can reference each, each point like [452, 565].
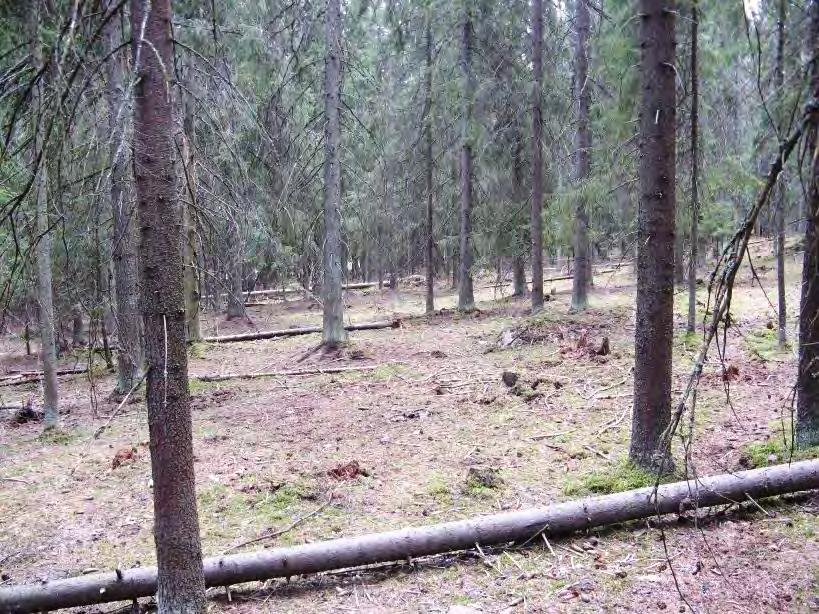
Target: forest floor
[432, 406]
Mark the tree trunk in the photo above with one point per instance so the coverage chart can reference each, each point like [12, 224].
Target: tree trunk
[655, 235]
[779, 195]
[695, 173]
[193, 325]
[123, 210]
[537, 155]
[334, 333]
[466, 298]
[679, 259]
[79, 333]
[235, 295]
[519, 276]
[582, 159]
[48, 346]
[807, 382]
[517, 527]
[519, 199]
[430, 242]
[181, 584]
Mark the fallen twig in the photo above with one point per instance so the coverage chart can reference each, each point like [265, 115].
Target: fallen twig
[113, 415]
[280, 532]
[10, 479]
[540, 436]
[598, 453]
[613, 423]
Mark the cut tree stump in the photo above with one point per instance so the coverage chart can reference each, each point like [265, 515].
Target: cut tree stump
[289, 332]
[520, 527]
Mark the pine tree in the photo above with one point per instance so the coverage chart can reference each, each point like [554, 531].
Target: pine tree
[181, 586]
[655, 235]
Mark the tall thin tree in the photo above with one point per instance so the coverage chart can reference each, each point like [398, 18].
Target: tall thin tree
[466, 297]
[779, 194]
[187, 136]
[181, 587]
[582, 157]
[807, 383]
[537, 155]
[428, 162]
[334, 332]
[45, 297]
[123, 210]
[655, 234]
[695, 172]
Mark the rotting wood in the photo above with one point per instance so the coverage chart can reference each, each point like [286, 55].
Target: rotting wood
[221, 377]
[289, 332]
[497, 529]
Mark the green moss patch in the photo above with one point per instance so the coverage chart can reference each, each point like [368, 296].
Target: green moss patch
[619, 478]
[773, 452]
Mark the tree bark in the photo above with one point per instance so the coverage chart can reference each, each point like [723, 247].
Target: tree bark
[582, 158]
[655, 235]
[537, 155]
[679, 258]
[79, 332]
[235, 297]
[779, 194]
[181, 581]
[193, 325]
[428, 162]
[466, 297]
[334, 332]
[807, 382]
[695, 172]
[48, 345]
[518, 276]
[123, 214]
[521, 527]
[519, 200]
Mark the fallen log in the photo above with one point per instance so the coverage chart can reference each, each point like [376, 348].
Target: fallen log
[496, 529]
[550, 279]
[21, 373]
[34, 376]
[291, 290]
[289, 332]
[295, 372]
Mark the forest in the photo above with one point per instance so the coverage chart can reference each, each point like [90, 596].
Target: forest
[412, 306]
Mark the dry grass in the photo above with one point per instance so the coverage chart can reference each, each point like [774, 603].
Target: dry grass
[434, 407]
